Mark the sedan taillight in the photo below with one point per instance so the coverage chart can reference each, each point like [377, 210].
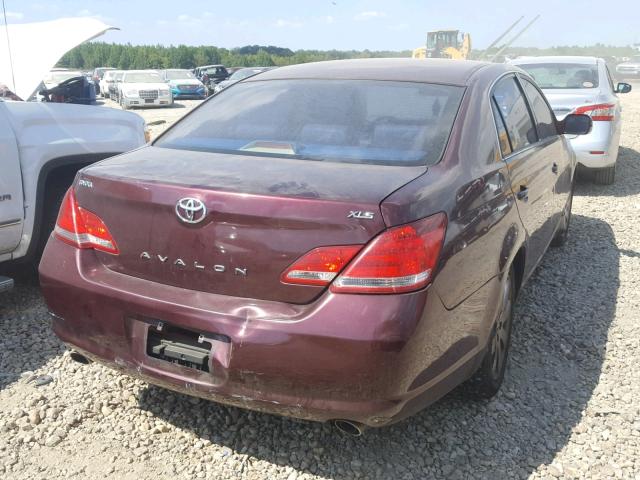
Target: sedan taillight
[601, 112]
[82, 228]
[400, 259]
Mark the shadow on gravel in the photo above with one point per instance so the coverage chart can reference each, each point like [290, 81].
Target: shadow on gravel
[563, 318]
[627, 178]
[26, 339]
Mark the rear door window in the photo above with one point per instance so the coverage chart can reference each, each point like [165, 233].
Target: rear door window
[515, 113]
[503, 137]
[545, 120]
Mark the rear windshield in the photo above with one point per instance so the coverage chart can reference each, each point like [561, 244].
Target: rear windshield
[563, 75]
[355, 121]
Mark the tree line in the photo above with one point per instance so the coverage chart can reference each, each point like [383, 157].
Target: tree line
[127, 56]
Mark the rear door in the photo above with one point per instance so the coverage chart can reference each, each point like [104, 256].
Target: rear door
[530, 166]
[555, 145]
[11, 205]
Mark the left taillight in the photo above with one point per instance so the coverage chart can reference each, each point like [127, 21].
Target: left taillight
[81, 228]
[601, 112]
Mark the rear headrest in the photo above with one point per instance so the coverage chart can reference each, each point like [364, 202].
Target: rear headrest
[405, 137]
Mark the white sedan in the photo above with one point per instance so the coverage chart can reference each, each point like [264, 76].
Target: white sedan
[583, 85]
[143, 88]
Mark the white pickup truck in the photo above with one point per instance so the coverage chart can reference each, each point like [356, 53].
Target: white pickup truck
[42, 146]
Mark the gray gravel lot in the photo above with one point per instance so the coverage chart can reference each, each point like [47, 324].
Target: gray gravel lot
[570, 407]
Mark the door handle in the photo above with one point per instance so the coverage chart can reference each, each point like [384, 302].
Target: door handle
[554, 167]
[523, 194]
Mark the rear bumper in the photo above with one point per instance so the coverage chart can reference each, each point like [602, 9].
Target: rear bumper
[372, 359]
[140, 102]
[199, 93]
[598, 149]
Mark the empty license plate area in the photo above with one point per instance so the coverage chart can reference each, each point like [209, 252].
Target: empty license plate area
[179, 346]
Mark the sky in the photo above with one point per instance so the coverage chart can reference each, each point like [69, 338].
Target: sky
[342, 24]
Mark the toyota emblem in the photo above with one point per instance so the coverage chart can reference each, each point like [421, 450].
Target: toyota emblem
[191, 210]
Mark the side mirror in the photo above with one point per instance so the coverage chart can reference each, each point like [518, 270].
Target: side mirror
[574, 124]
[623, 88]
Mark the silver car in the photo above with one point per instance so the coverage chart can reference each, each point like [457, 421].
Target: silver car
[583, 85]
[630, 69]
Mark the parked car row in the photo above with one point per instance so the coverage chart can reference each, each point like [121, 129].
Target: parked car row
[148, 88]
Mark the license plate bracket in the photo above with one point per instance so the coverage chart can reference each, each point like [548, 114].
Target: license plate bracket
[179, 346]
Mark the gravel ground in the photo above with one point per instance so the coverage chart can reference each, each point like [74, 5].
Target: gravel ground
[570, 406]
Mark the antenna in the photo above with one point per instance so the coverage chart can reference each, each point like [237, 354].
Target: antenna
[6, 28]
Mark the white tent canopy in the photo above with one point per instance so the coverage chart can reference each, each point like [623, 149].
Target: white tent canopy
[36, 47]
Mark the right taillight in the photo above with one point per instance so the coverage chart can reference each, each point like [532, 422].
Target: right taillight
[401, 259]
[601, 112]
[82, 228]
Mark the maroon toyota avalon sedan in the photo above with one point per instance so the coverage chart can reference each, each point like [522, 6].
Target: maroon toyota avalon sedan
[333, 241]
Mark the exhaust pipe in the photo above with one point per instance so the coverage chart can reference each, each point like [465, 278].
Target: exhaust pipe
[78, 357]
[348, 427]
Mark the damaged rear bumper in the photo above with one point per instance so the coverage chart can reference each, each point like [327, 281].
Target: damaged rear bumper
[372, 359]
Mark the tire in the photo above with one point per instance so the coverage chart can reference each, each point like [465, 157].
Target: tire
[487, 380]
[53, 199]
[562, 234]
[605, 176]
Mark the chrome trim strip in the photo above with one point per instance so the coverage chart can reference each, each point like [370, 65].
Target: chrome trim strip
[11, 223]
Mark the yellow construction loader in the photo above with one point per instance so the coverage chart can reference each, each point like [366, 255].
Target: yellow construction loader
[445, 44]
[457, 45]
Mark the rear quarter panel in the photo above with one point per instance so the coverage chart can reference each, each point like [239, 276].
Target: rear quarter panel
[471, 185]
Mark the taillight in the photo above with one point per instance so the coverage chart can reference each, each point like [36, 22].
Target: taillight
[401, 259]
[602, 112]
[320, 265]
[82, 228]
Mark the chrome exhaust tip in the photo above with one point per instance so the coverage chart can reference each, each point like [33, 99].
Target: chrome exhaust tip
[348, 427]
[78, 357]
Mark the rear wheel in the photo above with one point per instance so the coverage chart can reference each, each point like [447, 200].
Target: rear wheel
[563, 231]
[488, 378]
[605, 176]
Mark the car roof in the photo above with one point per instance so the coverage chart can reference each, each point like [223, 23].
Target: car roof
[554, 59]
[444, 71]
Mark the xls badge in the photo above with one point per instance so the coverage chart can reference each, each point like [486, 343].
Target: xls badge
[361, 215]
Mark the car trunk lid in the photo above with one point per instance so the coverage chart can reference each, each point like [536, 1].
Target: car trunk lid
[565, 101]
[262, 214]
